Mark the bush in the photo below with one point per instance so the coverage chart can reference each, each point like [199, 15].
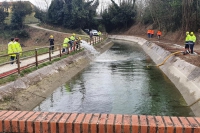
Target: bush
[20, 33]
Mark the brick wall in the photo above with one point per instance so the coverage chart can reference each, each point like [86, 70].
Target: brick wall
[49, 122]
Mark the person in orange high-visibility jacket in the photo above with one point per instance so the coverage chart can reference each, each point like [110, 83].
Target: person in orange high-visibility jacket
[149, 33]
[159, 33]
[152, 33]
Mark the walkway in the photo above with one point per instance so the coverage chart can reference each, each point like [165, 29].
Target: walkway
[8, 69]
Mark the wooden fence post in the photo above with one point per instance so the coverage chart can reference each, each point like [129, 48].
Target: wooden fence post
[36, 58]
[50, 53]
[18, 63]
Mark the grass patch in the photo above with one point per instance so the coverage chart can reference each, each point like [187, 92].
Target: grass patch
[67, 88]
[8, 79]
[29, 70]
[14, 77]
[24, 54]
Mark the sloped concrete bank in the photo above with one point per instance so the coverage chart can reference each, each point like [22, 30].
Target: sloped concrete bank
[27, 92]
[185, 76]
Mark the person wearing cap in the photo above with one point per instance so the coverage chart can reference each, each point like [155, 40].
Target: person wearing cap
[78, 41]
[187, 43]
[65, 45]
[193, 40]
[51, 41]
[18, 47]
[71, 41]
[12, 50]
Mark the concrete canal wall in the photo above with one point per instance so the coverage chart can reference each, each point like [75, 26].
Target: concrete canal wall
[27, 92]
[185, 76]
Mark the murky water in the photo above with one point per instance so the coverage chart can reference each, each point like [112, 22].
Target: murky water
[119, 82]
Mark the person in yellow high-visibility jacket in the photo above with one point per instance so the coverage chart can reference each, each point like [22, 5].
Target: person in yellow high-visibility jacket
[99, 33]
[17, 47]
[193, 39]
[187, 43]
[65, 45]
[71, 41]
[12, 50]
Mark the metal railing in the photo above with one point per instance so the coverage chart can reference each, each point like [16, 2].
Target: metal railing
[44, 53]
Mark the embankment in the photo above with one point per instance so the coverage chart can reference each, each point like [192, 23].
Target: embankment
[27, 92]
[185, 76]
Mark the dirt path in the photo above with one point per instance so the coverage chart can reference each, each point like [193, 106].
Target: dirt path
[169, 41]
[38, 27]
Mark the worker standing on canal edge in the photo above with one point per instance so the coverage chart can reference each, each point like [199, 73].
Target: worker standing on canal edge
[187, 43]
[99, 33]
[71, 41]
[193, 40]
[149, 33]
[51, 41]
[12, 50]
[78, 41]
[152, 33]
[18, 47]
[65, 45]
[159, 33]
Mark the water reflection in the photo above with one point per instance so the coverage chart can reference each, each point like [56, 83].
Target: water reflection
[118, 81]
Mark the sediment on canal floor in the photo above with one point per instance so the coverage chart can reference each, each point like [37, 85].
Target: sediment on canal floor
[185, 76]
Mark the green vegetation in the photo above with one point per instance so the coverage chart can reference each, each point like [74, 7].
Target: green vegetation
[75, 14]
[8, 79]
[29, 70]
[19, 12]
[171, 15]
[67, 88]
[119, 17]
[25, 54]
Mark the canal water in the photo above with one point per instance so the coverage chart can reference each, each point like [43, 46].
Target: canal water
[119, 82]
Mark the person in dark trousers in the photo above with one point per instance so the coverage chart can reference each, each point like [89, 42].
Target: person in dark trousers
[152, 33]
[149, 33]
[71, 41]
[159, 33]
[193, 40]
[187, 43]
[51, 41]
[12, 50]
[18, 48]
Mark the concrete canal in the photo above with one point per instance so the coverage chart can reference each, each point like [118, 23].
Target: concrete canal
[119, 82]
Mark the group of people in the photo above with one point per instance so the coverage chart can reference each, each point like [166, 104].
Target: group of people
[190, 40]
[14, 48]
[150, 33]
[69, 43]
[72, 41]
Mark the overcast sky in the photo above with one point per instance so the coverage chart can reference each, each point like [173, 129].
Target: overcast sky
[42, 4]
